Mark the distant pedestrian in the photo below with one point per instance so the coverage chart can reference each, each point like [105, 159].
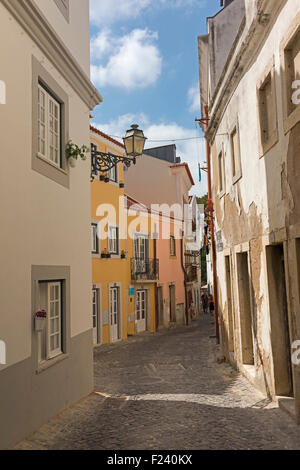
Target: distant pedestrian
[204, 299]
[211, 306]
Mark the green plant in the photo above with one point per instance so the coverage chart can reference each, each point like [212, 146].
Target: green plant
[73, 151]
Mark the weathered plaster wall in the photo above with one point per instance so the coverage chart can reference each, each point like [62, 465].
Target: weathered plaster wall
[266, 199]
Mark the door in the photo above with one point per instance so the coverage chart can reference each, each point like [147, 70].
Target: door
[160, 306]
[280, 325]
[114, 307]
[141, 253]
[230, 316]
[95, 304]
[246, 319]
[141, 310]
[172, 297]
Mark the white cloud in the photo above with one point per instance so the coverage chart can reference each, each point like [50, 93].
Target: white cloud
[106, 12]
[194, 99]
[136, 63]
[191, 151]
[117, 127]
[101, 44]
[110, 11]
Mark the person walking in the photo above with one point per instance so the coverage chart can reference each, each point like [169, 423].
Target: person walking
[211, 306]
[204, 299]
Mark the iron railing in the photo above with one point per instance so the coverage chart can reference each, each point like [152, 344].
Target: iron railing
[144, 269]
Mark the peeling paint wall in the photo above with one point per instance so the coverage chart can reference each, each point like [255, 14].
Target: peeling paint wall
[262, 207]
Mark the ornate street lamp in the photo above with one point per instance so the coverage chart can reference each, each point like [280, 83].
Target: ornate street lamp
[134, 142]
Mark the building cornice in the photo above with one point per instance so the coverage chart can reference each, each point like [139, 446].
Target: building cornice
[41, 32]
[242, 55]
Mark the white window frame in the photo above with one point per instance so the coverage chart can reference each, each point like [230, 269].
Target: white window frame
[113, 242]
[95, 240]
[95, 306]
[141, 305]
[44, 120]
[113, 174]
[114, 305]
[137, 246]
[51, 353]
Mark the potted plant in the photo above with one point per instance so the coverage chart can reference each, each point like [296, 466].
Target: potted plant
[40, 320]
[104, 254]
[121, 185]
[123, 254]
[73, 151]
[102, 177]
[106, 179]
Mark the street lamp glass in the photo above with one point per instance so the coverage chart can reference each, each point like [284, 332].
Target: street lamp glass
[134, 141]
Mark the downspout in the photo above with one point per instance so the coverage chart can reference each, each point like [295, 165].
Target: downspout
[185, 285]
[212, 229]
[155, 287]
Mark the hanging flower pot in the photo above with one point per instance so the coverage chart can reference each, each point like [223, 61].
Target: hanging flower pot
[72, 162]
[73, 152]
[40, 320]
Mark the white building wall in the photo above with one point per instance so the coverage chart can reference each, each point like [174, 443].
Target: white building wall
[72, 32]
[43, 223]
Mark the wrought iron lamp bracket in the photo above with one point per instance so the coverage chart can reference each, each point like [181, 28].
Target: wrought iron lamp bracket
[103, 162]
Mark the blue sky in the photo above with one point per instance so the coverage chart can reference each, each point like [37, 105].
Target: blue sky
[145, 65]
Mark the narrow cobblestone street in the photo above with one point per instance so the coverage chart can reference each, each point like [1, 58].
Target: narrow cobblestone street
[166, 392]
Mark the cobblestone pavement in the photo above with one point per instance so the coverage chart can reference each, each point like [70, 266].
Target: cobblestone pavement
[166, 392]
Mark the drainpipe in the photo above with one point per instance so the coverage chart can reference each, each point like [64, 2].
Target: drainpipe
[155, 289]
[185, 285]
[212, 229]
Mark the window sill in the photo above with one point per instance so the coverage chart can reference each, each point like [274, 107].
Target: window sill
[236, 178]
[114, 256]
[46, 160]
[267, 146]
[291, 120]
[114, 183]
[51, 362]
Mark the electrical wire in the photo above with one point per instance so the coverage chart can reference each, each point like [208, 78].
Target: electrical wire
[169, 140]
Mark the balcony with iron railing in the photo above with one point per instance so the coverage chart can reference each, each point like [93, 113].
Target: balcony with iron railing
[144, 269]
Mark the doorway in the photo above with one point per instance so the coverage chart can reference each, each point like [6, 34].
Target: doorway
[229, 304]
[172, 300]
[245, 309]
[141, 310]
[114, 313]
[280, 327]
[160, 306]
[96, 316]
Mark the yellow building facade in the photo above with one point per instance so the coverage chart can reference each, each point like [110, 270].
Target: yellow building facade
[124, 271]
